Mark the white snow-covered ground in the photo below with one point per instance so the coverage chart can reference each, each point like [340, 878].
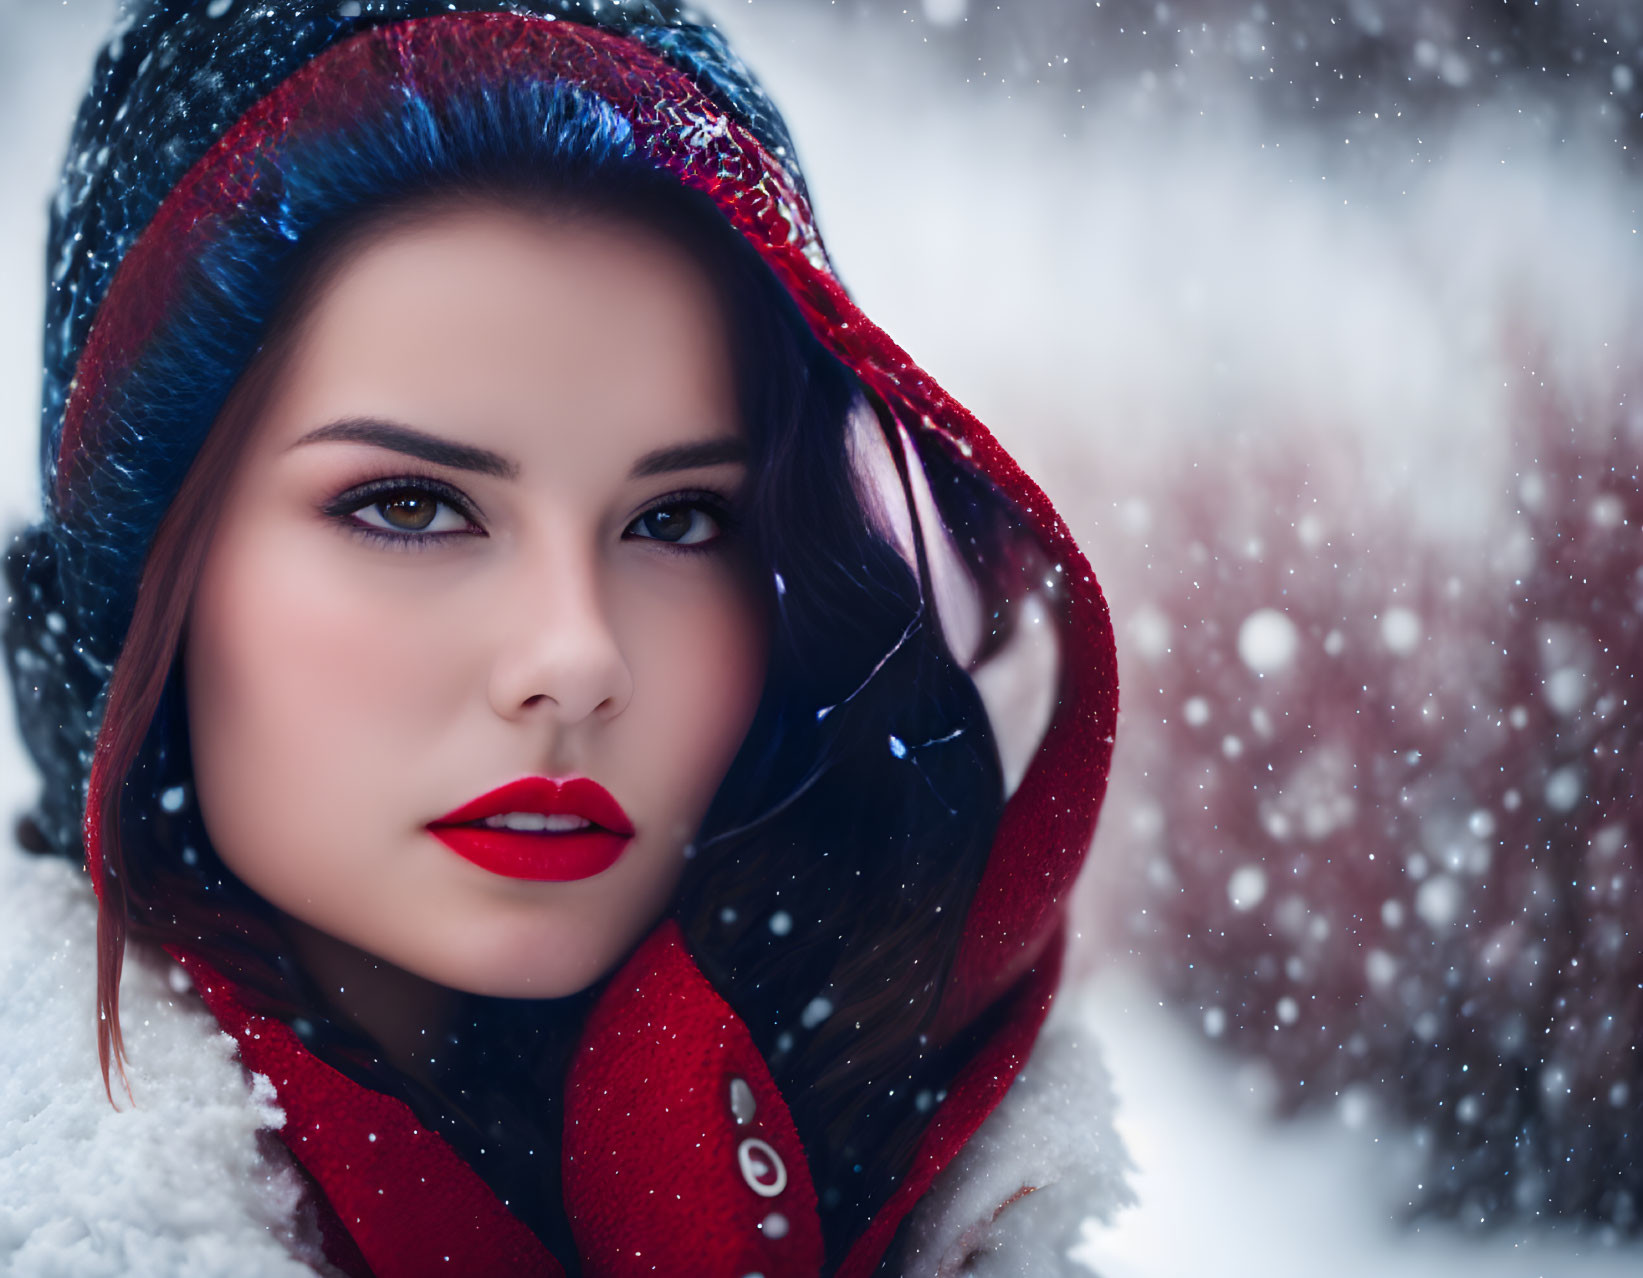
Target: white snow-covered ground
[1222, 1191]
[1107, 293]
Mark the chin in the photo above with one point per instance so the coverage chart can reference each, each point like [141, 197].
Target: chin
[495, 975]
[512, 985]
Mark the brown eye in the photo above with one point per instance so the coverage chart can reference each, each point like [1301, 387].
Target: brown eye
[409, 511]
[681, 523]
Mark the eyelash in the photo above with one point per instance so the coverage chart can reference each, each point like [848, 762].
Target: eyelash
[346, 505]
[718, 509]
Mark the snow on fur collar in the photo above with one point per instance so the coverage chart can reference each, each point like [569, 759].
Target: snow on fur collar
[186, 1182]
[177, 1183]
[1013, 1202]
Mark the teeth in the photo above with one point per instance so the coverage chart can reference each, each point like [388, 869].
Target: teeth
[536, 822]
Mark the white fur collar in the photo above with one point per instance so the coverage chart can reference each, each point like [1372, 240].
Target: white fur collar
[175, 1184]
[1014, 1201]
[189, 1180]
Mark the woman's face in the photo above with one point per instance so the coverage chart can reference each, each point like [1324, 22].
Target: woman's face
[483, 532]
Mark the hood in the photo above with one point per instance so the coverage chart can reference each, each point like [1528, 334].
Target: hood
[143, 189]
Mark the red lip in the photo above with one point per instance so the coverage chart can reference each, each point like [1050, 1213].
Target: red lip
[545, 856]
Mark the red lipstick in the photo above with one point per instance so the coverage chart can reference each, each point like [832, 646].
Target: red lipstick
[524, 830]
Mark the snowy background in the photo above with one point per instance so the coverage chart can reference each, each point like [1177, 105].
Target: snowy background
[1321, 321]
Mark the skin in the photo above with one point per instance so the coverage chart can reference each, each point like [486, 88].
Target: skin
[351, 677]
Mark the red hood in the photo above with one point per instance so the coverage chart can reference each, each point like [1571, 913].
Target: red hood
[643, 1027]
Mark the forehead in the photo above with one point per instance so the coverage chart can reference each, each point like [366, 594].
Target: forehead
[526, 332]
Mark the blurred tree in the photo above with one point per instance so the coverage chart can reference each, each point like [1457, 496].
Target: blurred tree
[1390, 832]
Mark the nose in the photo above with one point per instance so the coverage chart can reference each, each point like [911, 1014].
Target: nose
[558, 653]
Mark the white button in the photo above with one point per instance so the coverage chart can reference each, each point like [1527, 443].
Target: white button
[761, 1167]
[774, 1225]
[742, 1104]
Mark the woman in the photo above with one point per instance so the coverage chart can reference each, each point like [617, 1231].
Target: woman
[605, 736]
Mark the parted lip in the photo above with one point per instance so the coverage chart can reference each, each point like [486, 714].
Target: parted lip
[575, 796]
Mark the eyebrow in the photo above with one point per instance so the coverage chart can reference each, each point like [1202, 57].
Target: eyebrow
[710, 452]
[413, 443]
[400, 438]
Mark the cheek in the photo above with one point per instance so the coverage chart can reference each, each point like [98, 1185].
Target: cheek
[730, 660]
[297, 687]
[704, 668]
